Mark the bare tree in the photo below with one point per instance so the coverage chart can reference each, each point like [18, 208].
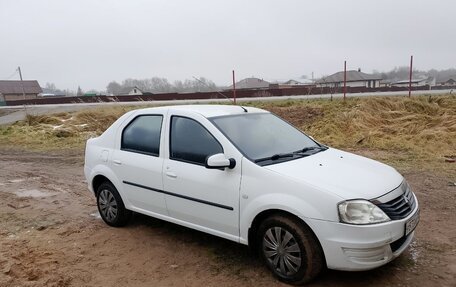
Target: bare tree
[50, 87]
[79, 93]
[114, 88]
[162, 85]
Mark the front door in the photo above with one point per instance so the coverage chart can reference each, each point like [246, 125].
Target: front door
[208, 199]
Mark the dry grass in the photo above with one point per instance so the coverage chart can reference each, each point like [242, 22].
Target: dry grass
[395, 129]
[62, 130]
[424, 124]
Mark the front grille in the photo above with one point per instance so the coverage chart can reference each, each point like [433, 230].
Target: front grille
[400, 207]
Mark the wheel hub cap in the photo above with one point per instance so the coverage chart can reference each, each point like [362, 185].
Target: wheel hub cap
[108, 205]
[282, 251]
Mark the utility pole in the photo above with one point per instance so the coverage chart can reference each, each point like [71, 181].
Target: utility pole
[22, 84]
[410, 78]
[345, 79]
[234, 88]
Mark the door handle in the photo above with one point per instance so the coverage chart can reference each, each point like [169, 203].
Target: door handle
[117, 162]
[171, 174]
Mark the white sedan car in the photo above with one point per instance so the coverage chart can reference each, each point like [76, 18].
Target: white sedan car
[246, 175]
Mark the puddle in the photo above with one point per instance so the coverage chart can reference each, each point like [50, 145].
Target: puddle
[96, 215]
[33, 193]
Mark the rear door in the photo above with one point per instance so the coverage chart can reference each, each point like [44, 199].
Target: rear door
[138, 162]
[207, 199]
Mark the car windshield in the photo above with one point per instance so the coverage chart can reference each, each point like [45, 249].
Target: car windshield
[265, 138]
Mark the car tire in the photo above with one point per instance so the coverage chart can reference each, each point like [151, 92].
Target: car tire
[111, 207]
[290, 249]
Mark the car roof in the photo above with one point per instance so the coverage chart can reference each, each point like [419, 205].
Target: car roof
[210, 111]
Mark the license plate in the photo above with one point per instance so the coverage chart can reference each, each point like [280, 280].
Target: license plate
[412, 223]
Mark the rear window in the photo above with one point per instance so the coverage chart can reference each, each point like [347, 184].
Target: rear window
[142, 135]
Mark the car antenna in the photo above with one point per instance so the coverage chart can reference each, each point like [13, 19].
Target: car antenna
[218, 92]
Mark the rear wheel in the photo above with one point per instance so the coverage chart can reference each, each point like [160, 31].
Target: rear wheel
[290, 249]
[111, 206]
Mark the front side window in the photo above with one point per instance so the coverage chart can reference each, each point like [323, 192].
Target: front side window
[142, 135]
[191, 142]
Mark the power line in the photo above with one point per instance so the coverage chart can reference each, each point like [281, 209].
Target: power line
[245, 110]
[9, 77]
[218, 92]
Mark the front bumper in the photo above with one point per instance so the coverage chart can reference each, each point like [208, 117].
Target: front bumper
[361, 247]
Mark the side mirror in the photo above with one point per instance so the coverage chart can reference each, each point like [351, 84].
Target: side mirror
[219, 161]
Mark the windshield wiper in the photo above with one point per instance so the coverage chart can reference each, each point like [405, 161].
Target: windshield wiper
[311, 148]
[276, 156]
[301, 152]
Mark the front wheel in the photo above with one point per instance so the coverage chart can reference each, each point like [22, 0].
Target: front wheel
[290, 249]
[111, 206]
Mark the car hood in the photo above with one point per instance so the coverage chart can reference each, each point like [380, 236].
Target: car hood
[345, 174]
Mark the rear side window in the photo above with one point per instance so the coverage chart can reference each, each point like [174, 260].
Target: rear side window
[191, 142]
[142, 135]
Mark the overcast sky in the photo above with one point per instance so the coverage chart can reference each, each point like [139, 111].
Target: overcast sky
[92, 42]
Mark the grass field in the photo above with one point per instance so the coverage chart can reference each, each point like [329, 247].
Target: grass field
[419, 131]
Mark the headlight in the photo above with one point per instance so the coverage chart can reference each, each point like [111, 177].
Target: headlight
[361, 212]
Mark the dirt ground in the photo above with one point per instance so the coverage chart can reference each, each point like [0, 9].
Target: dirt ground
[51, 235]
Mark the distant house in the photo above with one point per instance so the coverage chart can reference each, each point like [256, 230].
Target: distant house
[47, 93]
[19, 90]
[385, 83]
[292, 83]
[415, 82]
[251, 83]
[300, 82]
[354, 79]
[132, 91]
[449, 81]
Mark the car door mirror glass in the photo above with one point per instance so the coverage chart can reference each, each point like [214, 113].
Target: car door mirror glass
[219, 160]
